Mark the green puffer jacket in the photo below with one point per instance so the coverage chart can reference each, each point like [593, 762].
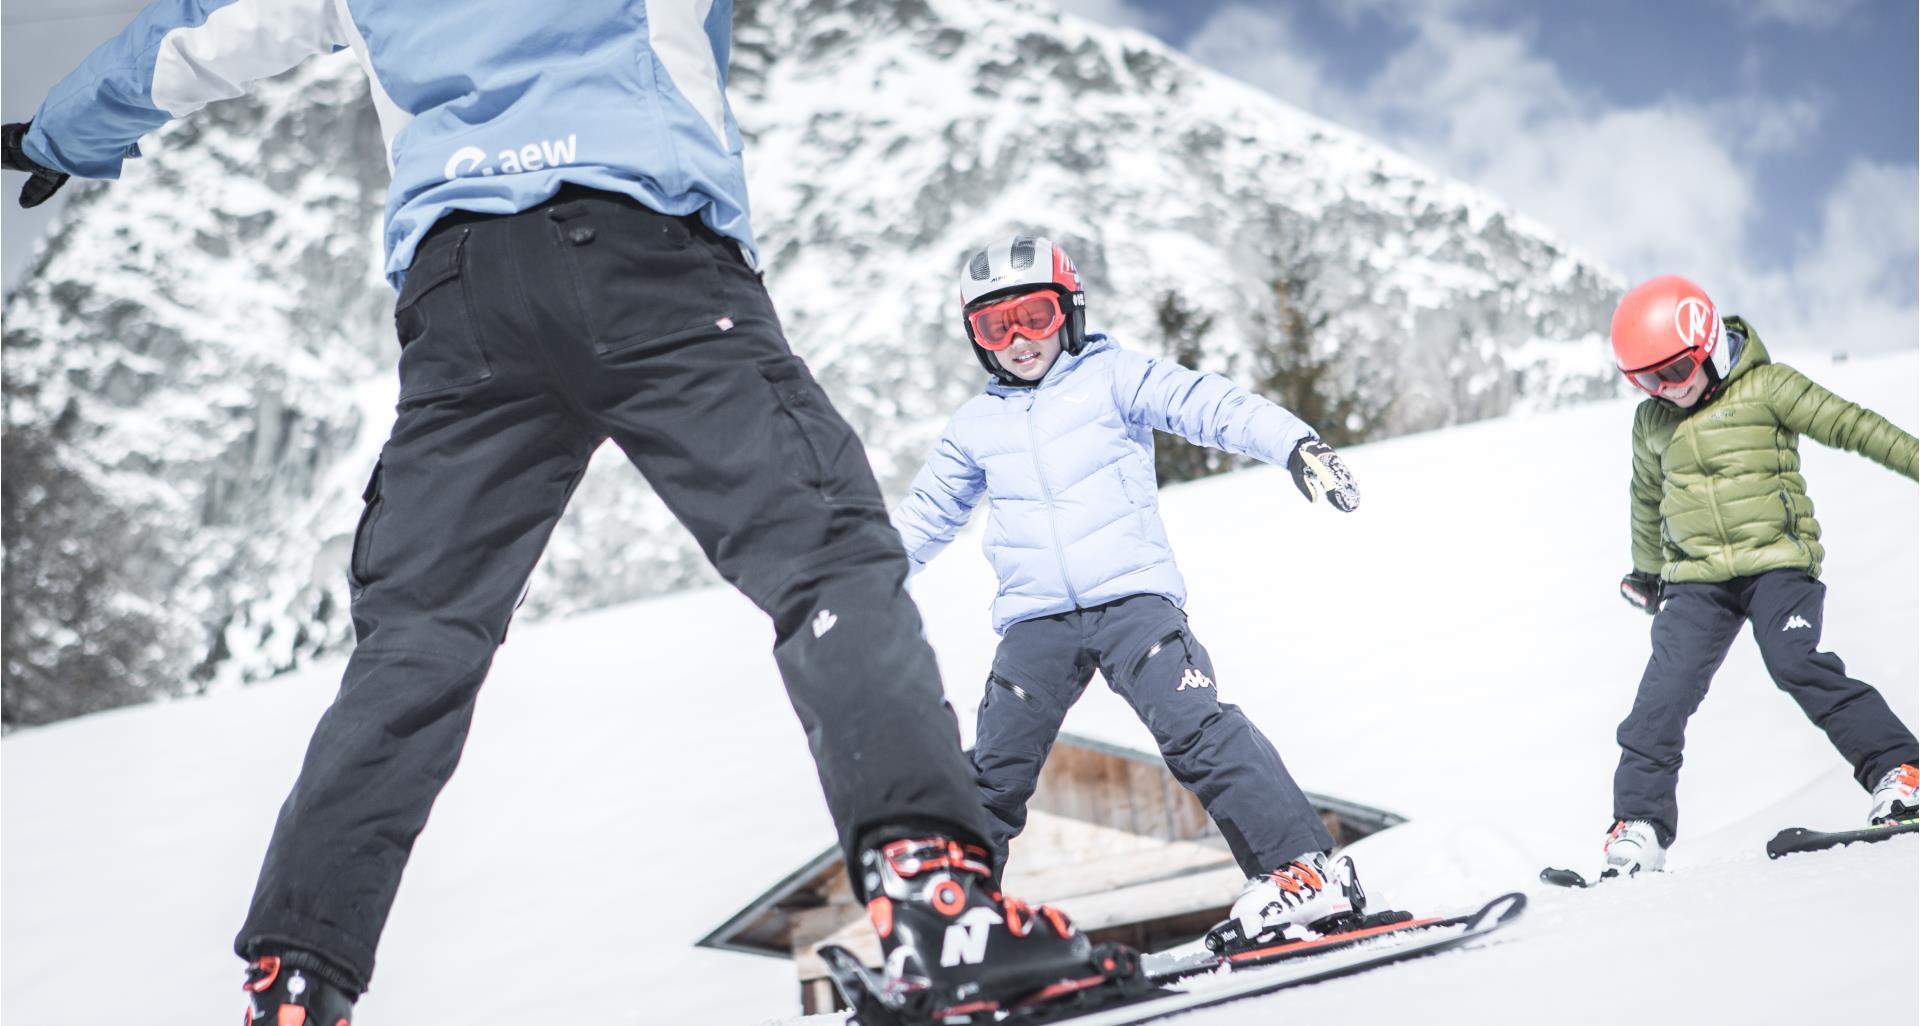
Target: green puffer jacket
[1717, 491]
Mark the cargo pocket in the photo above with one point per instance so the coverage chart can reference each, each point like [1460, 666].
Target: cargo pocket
[439, 350]
[639, 278]
[825, 453]
[358, 562]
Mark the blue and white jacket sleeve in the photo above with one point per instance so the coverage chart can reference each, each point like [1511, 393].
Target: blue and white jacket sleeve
[942, 498]
[1205, 409]
[175, 58]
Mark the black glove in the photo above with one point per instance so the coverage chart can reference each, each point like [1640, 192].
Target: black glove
[1317, 470]
[1643, 590]
[45, 181]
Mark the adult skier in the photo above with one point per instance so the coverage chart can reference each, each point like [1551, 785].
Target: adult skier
[551, 298]
[1724, 535]
[1060, 442]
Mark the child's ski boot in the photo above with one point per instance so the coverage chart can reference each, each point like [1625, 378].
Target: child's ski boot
[957, 950]
[282, 995]
[1894, 796]
[1633, 847]
[1312, 895]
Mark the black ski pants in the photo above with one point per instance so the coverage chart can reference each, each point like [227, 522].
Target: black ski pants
[527, 340]
[1691, 634]
[1148, 655]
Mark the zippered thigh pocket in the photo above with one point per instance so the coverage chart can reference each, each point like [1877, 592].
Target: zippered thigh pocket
[359, 561]
[826, 454]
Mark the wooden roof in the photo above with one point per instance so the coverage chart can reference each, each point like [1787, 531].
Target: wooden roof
[1112, 839]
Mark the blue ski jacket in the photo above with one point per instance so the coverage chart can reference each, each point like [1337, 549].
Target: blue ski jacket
[485, 107]
[1067, 466]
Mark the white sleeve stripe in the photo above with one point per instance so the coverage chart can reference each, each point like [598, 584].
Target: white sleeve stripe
[240, 43]
[677, 29]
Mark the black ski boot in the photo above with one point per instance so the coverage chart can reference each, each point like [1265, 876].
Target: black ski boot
[956, 950]
[278, 994]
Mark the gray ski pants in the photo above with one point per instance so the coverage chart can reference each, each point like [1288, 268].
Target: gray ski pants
[1148, 655]
[1691, 634]
[526, 341]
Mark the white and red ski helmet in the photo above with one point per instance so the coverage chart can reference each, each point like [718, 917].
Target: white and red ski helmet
[1021, 263]
[1662, 319]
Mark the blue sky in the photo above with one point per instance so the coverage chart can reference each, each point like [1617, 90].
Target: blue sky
[1766, 148]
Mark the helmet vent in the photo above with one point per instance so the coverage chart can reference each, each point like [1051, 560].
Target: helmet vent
[980, 268]
[1022, 256]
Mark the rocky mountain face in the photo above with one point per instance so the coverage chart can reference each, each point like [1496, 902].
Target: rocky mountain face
[200, 367]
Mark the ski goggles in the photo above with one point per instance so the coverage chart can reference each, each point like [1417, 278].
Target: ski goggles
[1676, 371]
[1033, 315]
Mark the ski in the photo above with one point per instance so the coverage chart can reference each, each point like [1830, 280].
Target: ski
[1206, 955]
[1799, 839]
[1196, 992]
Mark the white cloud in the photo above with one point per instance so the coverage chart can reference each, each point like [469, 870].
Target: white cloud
[1798, 13]
[1262, 47]
[1854, 288]
[1667, 187]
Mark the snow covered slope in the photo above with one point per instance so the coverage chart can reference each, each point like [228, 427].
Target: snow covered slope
[1452, 652]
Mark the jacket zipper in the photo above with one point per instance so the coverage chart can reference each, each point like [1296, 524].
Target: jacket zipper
[1053, 522]
[1713, 494]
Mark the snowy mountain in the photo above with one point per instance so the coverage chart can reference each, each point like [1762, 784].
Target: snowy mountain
[201, 359]
[573, 861]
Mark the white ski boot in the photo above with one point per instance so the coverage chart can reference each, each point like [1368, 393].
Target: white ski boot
[1633, 847]
[1894, 796]
[1311, 889]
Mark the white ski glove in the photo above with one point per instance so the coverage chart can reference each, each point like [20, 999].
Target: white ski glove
[1318, 470]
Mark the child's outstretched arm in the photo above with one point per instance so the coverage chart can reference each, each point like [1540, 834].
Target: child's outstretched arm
[942, 498]
[1805, 407]
[1209, 410]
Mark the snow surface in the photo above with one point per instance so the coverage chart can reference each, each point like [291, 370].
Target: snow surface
[1454, 652]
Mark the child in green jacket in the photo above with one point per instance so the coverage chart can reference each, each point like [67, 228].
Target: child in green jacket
[1724, 535]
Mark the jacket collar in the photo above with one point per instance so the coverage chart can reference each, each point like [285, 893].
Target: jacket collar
[1062, 369]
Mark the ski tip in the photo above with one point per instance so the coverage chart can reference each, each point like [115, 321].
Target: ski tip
[1497, 911]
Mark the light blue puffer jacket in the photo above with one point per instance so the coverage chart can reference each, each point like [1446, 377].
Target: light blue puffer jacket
[1074, 517]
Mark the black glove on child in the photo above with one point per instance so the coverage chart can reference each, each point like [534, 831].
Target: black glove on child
[45, 181]
[1643, 590]
[1317, 470]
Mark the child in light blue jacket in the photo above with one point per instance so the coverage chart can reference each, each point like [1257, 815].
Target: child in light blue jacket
[1061, 442]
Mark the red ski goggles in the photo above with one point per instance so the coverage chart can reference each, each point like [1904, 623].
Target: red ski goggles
[1676, 371]
[1033, 315]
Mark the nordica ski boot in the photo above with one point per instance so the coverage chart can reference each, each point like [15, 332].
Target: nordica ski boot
[1894, 796]
[1633, 847]
[958, 951]
[1314, 894]
[279, 994]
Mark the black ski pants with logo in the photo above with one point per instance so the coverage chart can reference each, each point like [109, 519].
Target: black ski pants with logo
[526, 341]
[1148, 655]
[1696, 625]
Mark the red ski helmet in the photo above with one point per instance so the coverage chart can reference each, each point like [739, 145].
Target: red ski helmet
[1022, 263]
[1665, 331]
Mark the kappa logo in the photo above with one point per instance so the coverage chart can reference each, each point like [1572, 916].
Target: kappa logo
[966, 941]
[823, 622]
[1693, 319]
[1795, 621]
[1193, 678]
